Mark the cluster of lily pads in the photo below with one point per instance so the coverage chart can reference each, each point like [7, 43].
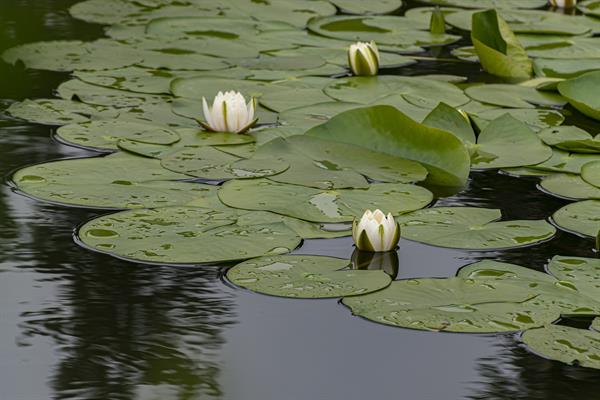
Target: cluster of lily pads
[328, 145]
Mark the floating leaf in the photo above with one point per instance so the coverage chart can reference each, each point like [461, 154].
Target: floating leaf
[316, 205]
[449, 119]
[301, 276]
[489, 3]
[514, 96]
[590, 173]
[498, 49]
[564, 68]
[537, 119]
[572, 346]
[562, 161]
[472, 228]
[56, 112]
[569, 186]
[184, 235]
[581, 93]
[385, 129]
[581, 218]
[104, 135]
[571, 138]
[373, 7]
[115, 181]
[304, 229]
[508, 142]
[75, 89]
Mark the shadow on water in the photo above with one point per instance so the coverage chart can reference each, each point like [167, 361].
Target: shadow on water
[81, 325]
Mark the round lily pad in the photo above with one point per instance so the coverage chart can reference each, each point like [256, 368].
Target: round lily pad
[372, 7]
[454, 305]
[184, 235]
[115, 181]
[56, 111]
[572, 346]
[105, 96]
[590, 173]
[472, 228]
[342, 205]
[569, 186]
[514, 96]
[582, 218]
[104, 135]
[562, 161]
[537, 119]
[571, 138]
[301, 276]
[581, 93]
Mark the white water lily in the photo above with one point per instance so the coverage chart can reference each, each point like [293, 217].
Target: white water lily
[563, 3]
[376, 232]
[363, 58]
[229, 113]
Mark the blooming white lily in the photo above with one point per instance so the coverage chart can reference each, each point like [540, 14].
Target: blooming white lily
[229, 113]
[563, 3]
[363, 58]
[376, 232]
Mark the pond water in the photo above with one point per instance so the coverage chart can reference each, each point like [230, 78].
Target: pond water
[80, 325]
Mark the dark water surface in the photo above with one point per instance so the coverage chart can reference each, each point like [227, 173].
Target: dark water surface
[80, 325]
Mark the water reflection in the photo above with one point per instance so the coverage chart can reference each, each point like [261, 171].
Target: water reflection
[386, 261]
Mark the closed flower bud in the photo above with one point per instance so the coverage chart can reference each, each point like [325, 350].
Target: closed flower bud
[376, 232]
[363, 58]
[563, 3]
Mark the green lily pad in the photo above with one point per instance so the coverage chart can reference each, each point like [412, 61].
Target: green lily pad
[590, 173]
[325, 164]
[562, 161]
[489, 3]
[373, 7]
[455, 305]
[296, 13]
[424, 93]
[304, 118]
[184, 235]
[301, 276]
[56, 111]
[293, 98]
[104, 135]
[572, 346]
[569, 186]
[210, 163]
[75, 89]
[494, 270]
[581, 272]
[514, 96]
[394, 31]
[472, 228]
[304, 229]
[156, 114]
[573, 48]
[581, 218]
[204, 86]
[385, 129]
[571, 138]
[316, 205]
[508, 142]
[564, 68]
[116, 181]
[498, 49]
[581, 93]
[70, 55]
[536, 119]
[590, 7]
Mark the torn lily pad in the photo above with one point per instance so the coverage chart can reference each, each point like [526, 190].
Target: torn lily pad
[302, 276]
[472, 228]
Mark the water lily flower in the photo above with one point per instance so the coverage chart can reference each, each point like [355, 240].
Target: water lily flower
[229, 113]
[563, 3]
[363, 58]
[376, 232]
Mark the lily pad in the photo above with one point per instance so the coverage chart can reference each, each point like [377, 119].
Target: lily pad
[116, 181]
[508, 142]
[454, 305]
[582, 218]
[472, 228]
[301, 276]
[564, 68]
[498, 49]
[184, 235]
[536, 119]
[449, 119]
[387, 130]
[70, 55]
[316, 205]
[562, 161]
[104, 135]
[572, 346]
[373, 7]
[421, 92]
[489, 3]
[581, 272]
[590, 173]
[304, 118]
[494, 270]
[56, 111]
[581, 93]
[304, 229]
[75, 89]
[571, 138]
[210, 163]
[569, 186]
[205, 86]
[514, 96]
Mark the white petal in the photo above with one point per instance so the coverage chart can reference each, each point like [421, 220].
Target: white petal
[207, 113]
[372, 230]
